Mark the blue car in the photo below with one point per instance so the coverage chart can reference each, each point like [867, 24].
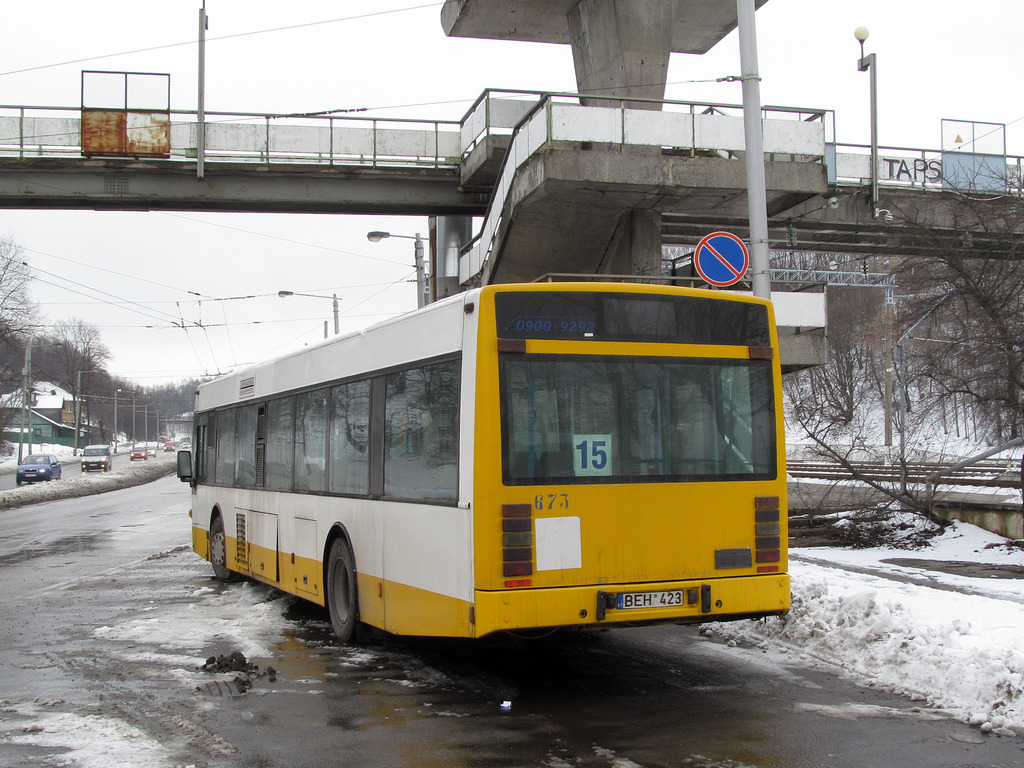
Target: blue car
[38, 466]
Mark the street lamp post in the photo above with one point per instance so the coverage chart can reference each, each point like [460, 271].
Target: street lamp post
[26, 404]
[870, 64]
[422, 297]
[78, 409]
[865, 64]
[333, 297]
[115, 419]
[78, 406]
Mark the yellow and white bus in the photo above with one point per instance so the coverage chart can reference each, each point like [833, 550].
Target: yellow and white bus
[514, 458]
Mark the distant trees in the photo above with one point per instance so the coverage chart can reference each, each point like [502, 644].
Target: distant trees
[78, 350]
[19, 316]
[968, 286]
[72, 355]
[956, 346]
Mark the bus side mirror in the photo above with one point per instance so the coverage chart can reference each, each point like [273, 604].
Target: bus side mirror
[185, 466]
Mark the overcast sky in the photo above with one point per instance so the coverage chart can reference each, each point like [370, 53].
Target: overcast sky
[936, 59]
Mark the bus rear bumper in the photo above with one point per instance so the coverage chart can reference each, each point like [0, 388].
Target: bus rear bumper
[616, 605]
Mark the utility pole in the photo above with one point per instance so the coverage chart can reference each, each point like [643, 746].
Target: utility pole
[115, 418]
[78, 408]
[201, 107]
[753, 139]
[26, 408]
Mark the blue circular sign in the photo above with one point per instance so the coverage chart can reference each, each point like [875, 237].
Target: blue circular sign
[721, 259]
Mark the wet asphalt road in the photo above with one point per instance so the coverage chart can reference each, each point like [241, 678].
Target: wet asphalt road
[106, 616]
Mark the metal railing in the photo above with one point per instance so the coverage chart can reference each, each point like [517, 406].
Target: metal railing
[238, 137]
[680, 128]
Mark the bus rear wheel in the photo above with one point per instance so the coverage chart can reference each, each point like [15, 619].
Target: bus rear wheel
[342, 598]
[219, 550]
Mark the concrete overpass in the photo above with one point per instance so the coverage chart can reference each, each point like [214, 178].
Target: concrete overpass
[564, 183]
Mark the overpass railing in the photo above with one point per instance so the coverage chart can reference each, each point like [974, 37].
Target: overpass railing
[499, 113]
[238, 137]
[909, 167]
[681, 128]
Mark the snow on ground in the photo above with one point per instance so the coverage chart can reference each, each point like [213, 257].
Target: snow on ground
[872, 615]
[952, 640]
[74, 483]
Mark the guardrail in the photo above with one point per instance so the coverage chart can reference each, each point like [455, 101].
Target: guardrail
[37, 132]
[915, 168]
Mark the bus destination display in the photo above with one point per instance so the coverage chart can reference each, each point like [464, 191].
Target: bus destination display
[623, 317]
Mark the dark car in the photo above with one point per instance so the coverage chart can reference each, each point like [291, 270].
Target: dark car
[96, 458]
[138, 453]
[38, 466]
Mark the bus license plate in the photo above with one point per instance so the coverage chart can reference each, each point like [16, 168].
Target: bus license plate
[626, 600]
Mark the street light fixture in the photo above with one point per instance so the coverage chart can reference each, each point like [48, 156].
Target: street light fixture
[334, 298]
[421, 282]
[78, 406]
[865, 64]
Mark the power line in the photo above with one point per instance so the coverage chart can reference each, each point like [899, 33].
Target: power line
[218, 38]
[141, 309]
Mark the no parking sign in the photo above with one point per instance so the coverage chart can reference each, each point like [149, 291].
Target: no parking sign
[721, 259]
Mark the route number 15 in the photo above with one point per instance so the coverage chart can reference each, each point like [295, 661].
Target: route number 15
[592, 455]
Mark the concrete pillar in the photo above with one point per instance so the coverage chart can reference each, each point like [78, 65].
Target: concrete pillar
[621, 48]
[635, 248]
[449, 234]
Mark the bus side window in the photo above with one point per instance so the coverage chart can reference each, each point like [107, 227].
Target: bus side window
[311, 441]
[421, 429]
[349, 438]
[280, 448]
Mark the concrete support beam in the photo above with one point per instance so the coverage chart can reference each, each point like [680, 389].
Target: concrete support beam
[621, 49]
[635, 248]
[116, 184]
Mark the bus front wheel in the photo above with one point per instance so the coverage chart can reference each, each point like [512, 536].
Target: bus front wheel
[342, 599]
[218, 550]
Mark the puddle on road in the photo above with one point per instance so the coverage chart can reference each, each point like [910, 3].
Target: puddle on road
[63, 546]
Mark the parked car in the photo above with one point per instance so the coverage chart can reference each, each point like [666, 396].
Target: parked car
[138, 452]
[151, 449]
[96, 457]
[38, 466]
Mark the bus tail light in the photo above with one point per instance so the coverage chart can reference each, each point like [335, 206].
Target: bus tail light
[767, 533]
[517, 543]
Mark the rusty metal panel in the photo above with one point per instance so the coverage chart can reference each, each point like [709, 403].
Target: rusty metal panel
[104, 132]
[148, 134]
[125, 133]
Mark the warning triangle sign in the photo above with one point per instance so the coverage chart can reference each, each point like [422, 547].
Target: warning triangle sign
[958, 140]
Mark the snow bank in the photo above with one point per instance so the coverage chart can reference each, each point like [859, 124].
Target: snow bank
[960, 652]
[75, 483]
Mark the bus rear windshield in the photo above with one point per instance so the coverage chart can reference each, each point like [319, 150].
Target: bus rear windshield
[570, 315]
[596, 419]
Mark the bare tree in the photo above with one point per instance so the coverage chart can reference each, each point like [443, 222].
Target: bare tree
[80, 357]
[967, 301]
[18, 314]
